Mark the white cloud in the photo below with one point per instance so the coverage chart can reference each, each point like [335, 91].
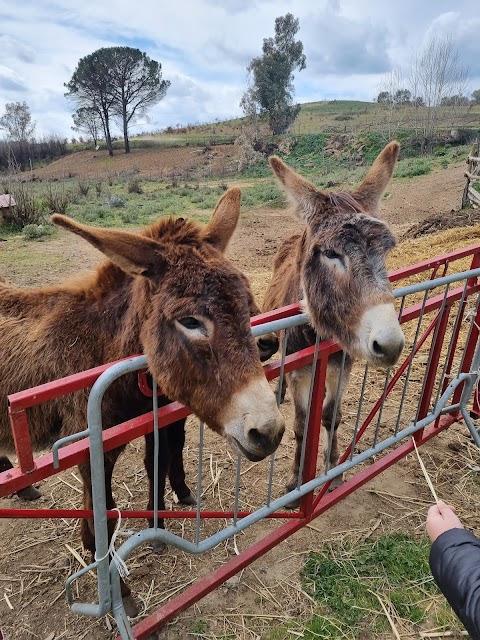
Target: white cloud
[10, 81]
[204, 46]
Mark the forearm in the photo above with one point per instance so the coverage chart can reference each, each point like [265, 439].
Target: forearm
[455, 565]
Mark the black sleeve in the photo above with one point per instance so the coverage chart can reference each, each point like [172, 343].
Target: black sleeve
[455, 565]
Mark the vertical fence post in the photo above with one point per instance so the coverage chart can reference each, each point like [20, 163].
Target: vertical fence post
[435, 353]
[471, 343]
[313, 432]
[21, 437]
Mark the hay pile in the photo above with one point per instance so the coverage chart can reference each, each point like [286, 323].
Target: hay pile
[415, 250]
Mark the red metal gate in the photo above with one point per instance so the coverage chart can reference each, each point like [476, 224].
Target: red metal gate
[449, 340]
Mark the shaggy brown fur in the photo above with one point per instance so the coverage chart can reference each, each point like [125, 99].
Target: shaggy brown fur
[337, 267]
[145, 299]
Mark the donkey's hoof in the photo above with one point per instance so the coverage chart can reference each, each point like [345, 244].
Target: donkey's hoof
[188, 499]
[159, 547]
[29, 493]
[336, 482]
[294, 504]
[130, 606]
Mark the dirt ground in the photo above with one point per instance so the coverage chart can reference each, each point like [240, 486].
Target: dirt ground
[145, 163]
[36, 556]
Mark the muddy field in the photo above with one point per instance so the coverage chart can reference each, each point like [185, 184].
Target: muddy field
[36, 556]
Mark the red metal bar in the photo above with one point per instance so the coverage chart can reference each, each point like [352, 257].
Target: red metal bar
[435, 351]
[13, 479]
[22, 440]
[214, 579]
[56, 514]
[413, 312]
[425, 265]
[314, 430]
[56, 388]
[468, 357]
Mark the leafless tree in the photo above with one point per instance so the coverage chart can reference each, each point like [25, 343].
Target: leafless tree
[436, 72]
[391, 84]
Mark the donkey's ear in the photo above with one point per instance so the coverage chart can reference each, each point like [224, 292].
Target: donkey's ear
[134, 254]
[224, 219]
[302, 194]
[370, 192]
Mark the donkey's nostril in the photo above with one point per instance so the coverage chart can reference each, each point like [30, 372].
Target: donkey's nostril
[377, 348]
[258, 440]
[267, 346]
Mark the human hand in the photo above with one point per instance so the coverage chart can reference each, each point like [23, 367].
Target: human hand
[441, 517]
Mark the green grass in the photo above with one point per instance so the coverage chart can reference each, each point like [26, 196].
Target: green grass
[412, 167]
[344, 579]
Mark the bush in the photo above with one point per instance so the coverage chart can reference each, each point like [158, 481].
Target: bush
[57, 199]
[83, 188]
[134, 186]
[115, 202]
[37, 231]
[29, 209]
[129, 217]
[411, 168]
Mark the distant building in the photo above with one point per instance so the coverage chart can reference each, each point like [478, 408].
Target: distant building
[7, 203]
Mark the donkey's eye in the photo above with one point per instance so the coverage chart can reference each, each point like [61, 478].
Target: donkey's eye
[332, 255]
[191, 323]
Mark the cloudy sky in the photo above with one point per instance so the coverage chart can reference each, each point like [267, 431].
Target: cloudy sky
[205, 45]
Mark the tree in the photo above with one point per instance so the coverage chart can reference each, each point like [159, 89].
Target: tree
[90, 87]
[454, 101]
[436, 73]
[402, 97]
[391, 97]
[88, 120]
[138, 85]
[117, 82]
[271, 76]
[17, 121]
[384, 97]
[476, 96]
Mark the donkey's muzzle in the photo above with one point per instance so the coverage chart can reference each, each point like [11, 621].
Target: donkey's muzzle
[267, 346]
[387, 348]
[381, 337]
[253, 424]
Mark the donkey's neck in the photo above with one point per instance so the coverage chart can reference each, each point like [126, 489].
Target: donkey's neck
[107, 301]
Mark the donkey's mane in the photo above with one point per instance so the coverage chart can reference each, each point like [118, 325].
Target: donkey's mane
[345, 200]
[177, 230]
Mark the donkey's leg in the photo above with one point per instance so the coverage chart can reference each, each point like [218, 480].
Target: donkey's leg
[163, 465]
[299, 383]
[87, 528]
[282, 391]
[336, 382]
[176, 470]
[28, 493]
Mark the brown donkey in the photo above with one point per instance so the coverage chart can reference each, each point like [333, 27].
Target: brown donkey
[169, 293]
[336, 267]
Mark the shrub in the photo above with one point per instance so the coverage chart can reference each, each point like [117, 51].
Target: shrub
[131, 171]
[411, 168]
[129, 217]
[37, 231]
[29, 209]
[83, 188]
[115, 202]
[134, 186]
[57, 199]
